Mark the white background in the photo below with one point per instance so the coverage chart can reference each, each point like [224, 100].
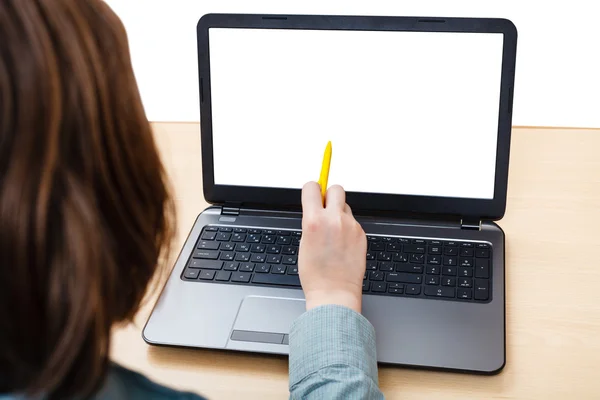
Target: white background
[557, 81]
[403, 109]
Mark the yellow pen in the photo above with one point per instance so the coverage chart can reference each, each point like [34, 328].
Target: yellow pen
[325, 171]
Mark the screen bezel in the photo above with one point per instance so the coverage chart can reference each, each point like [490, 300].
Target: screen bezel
[361, 202]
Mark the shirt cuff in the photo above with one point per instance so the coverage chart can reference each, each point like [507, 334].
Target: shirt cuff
[331, 335]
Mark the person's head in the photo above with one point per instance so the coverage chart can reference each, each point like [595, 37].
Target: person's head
[84, 207]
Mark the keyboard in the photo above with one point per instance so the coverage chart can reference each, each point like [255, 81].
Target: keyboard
[453, 270]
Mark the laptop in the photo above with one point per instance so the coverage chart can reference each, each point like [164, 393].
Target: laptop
[419, 114]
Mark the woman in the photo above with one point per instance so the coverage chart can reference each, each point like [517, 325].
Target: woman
[85, 214]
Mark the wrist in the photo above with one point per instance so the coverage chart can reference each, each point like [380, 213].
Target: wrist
[343, 298]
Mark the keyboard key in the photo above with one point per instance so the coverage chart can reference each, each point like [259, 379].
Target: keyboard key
[482, 246]
[206, 275]
[395, 291]
[417, 258]
[411, 268]
[211, 228]
[227, 255]
[394, 247]
[290, 260]
[482, 253]
[223, 237]
[274, 259]
[254, 231]
[481, 289]
[440, 291]
[449, 271]
[284, 240]
[377, 246]
[208, 235]
[464, 294]
[202, 264]
[414, 249]
[271, 279]
[269, 232]
[403, 277]
[466, 252]
[242, 257]
[246, 267]
[451, 251]
[292, 270]
[296, 233]
[263, 268]
[238, 237]
[231, 266]
[295, 242]
[383, 256]
[283, 233]
[376, 276]
[208, 245]
[399, 257]
[449, 282]
[240, 230]
[253, 238]
[418, 241]
[465, 272]
[403, 240]
[289, 250]
[206, 254]
[413, 289]
[465, 283]
[468, 245]
[225, 229]
[434, 260]
[258, 258]
[371, 265]
[482, 271]
[243, 247]
[227, 246]
[366, 285]
[191, 273]
[480, 262]
[274, 249]
[387, 239]
[258, 248]
[432, 270]
[450, 261]
[269, 239]
[278, 269]
[378, 287]
[432, 280]
[223, 276]
[386, 266]
[372, 239]
[370, 256]
[243, 277]
[435, 250]
[435, 243]
[451, 243]
[466, 262]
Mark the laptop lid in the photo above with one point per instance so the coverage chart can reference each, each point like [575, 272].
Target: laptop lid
[418, 110]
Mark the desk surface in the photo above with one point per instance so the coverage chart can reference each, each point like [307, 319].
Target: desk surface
[552, 286]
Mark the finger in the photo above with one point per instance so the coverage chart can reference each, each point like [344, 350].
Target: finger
[311, 198]
[347, 209]
[335, 198]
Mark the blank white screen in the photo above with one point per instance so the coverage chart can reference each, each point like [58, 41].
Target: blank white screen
[407, 112]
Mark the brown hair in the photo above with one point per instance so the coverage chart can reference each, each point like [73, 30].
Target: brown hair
[85, 209]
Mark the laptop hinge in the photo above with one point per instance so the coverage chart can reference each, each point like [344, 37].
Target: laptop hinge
[470, 223]
[230, 209]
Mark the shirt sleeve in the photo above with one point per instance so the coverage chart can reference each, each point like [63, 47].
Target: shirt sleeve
[333, 355]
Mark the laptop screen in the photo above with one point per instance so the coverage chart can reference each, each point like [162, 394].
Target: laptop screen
[409, 113]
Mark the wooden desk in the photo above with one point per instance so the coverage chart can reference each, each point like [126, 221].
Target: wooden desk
[552, 286]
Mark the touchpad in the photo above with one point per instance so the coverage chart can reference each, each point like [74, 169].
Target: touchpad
[266, 319]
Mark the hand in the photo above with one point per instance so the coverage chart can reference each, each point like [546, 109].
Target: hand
[332, 256]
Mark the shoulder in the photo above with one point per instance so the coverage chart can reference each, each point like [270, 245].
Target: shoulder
[122, 383]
